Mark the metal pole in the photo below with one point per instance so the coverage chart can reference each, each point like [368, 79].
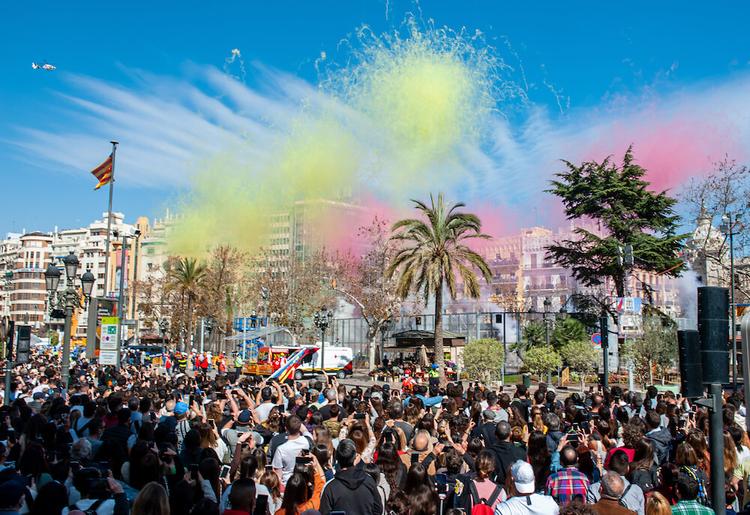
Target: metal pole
[203, 329]
[109, 221]
[121, 300]
[732, 307]
[9, 359]
[135, 287]
[505, 349]
[70, 296]
[716, 439]
[323, 350]
[745, 331]
[243, 343]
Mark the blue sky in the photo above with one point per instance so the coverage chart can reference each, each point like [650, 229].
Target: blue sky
[600, 58]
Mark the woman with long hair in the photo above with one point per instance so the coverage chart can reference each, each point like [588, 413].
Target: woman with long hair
[540, 459]
[688, 462]
[482, 486]
[697, 440]
[210, 439]
[391, 466]
[657, 504]
[271, 481]
[151, 500]
[642, 468]
[303, 489]
[416, 477]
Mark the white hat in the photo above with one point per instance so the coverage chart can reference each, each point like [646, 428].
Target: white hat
[523, 477]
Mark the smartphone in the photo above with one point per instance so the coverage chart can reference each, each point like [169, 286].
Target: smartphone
[414, 458]
[303, 460]
[359, 416]
[261, 505]
[224, 473]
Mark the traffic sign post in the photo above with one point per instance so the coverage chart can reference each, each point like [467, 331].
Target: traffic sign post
[108, 341]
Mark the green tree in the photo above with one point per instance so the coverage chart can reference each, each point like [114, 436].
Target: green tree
[541, 359]
[617, 198]
[656, 349]
[54, 338]
[187, 276]
[568, 330]
[534, 335]
[484, 358]
[580, 356]
[433, 254]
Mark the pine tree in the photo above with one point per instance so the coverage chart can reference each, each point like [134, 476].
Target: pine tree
[618, 198]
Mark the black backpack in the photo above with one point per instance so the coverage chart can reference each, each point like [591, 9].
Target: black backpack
[91, 510]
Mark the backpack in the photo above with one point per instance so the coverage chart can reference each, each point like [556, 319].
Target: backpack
[91, 510]
[702, 493]
[482, 506]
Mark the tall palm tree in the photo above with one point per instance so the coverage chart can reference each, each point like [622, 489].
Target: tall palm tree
[434, 254]
[188, 275]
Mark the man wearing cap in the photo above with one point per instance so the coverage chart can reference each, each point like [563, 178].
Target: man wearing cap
[523, 500]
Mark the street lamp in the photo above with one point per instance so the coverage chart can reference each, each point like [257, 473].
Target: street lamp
[323, 319]
[63, 304]
[547, 305]
[385, 328]
[729, 223]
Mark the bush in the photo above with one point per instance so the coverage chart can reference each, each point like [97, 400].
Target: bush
[541, 359]
[483, 359]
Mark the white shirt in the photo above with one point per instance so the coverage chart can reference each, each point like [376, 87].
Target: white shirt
[286, 454]
[105, 508]
[263, 409]
[540, 504]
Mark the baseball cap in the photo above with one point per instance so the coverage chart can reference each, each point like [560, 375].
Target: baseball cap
[180, 408]
[523, 477]
[244, 417]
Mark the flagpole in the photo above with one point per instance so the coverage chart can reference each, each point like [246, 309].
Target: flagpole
[109, 221]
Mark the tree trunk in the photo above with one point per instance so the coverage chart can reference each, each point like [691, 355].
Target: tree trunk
[439, 356]
[650, 373]
[583, 382]
[189, 324]
[372, 337]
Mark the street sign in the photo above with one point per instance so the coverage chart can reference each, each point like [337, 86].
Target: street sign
[108, 357]
[108, 341]
[596, 339]
[630, 305]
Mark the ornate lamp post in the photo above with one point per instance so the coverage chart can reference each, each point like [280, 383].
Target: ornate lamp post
[61, 304]
[323, 319]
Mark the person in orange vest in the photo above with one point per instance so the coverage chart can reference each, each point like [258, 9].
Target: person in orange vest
[222, 366]
[204, 364]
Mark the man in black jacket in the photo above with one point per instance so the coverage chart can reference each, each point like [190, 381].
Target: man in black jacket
[351, 490]
[505, 452]
[660, 437]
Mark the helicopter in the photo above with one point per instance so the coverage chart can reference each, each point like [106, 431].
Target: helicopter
[44, 66]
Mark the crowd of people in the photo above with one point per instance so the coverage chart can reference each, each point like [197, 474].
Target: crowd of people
[138, 441]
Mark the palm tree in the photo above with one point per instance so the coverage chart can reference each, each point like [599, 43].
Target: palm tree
[434, 254]
[188, 275]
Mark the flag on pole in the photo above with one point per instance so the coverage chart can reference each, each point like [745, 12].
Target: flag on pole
[103, 172]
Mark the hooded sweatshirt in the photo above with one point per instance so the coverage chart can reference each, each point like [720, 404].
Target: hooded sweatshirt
[662, 440]
[352, 491]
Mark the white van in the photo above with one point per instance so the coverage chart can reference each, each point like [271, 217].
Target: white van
[338, 362]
